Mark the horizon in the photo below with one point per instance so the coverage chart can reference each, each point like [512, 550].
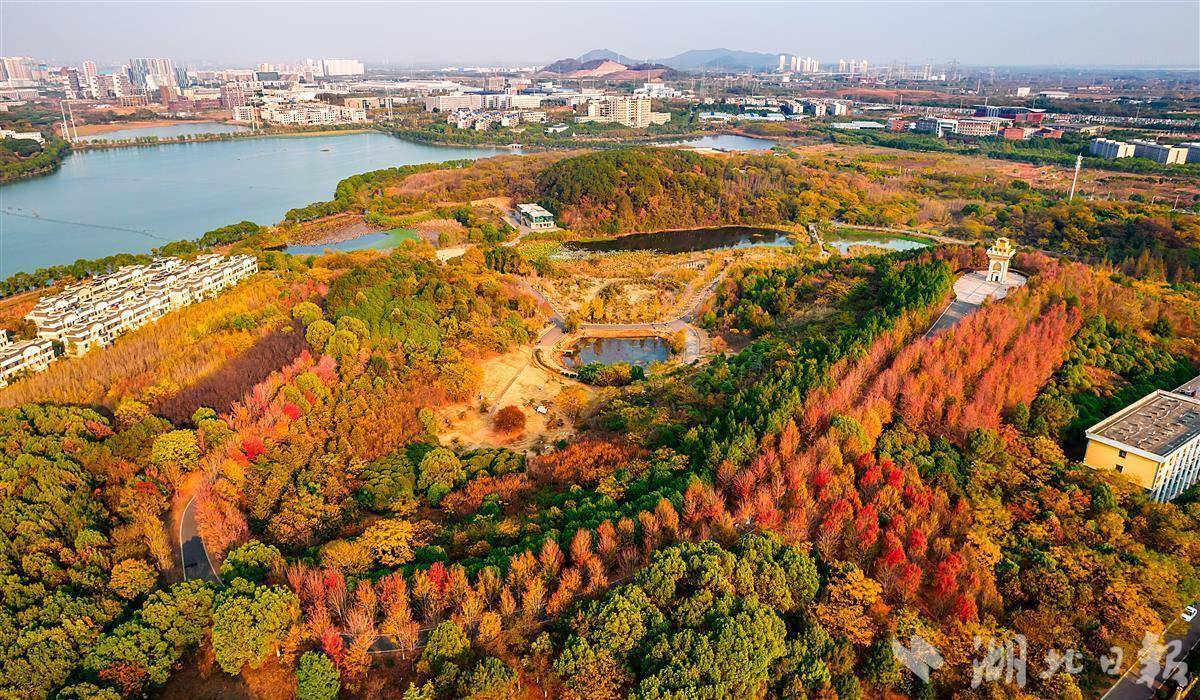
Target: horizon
[985, 34]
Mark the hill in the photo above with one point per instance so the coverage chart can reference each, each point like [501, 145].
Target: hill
[607, 55]
[720, 59]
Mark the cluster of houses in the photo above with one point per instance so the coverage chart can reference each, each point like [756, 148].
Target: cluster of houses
[465, 118]
[95, 312]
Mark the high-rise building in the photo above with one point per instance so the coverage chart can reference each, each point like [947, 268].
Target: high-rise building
[332, 67]
[152, 73]
[72, 85]
[17, 68]
[91, 84]
[232, 96]
[782, 62]
[632, 111]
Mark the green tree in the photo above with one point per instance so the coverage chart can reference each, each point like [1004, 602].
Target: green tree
[318, 334]
[252, 561]
[249, 621]
[317, 678]
[307, 313]
[439, 466]
[447, 642]
[490, 679]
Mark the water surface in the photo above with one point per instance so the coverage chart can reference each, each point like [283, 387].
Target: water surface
[610, 351]
[842, 239]
[729, 142]
[688, 240]
[138, 198]
[168, 131]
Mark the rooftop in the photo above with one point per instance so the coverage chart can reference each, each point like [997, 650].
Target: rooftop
[1191, 388]
[1159, 423]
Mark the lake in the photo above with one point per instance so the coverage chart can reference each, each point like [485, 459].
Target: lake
[169, 131]
[382, 241]
[688, 240]
[138, 198]
[609, 351]
[729, 142]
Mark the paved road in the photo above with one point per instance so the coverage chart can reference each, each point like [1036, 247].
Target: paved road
[191, 548]
[1128, 686]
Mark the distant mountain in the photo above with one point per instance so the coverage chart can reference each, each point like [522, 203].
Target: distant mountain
[721, 59]
[606, 55]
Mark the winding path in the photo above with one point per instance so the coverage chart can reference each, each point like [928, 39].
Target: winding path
[192, 553]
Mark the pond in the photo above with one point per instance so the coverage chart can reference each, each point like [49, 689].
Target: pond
[842, 239]
[610, 351]
[382, 241]
[688, 240]
[729, 142]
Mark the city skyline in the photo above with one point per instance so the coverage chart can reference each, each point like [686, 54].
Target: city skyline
[987, 33]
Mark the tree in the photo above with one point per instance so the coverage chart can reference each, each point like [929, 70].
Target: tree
[317, 677]
[439, 466]
[249, 621]
[177, 448]
[571, 401]
[390, 541]
[510, 420]
[447, 642]
[318, 334]
[342, 344]
[131, 578]
[307, 313]
[252, 561]
[490, 679]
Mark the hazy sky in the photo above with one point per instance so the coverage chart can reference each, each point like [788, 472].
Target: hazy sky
[1090, 32]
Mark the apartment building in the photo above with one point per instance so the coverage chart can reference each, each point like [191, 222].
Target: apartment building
[95, 312]
[311, 113]
[628, 110]
[1155, 442]
[1109, 148]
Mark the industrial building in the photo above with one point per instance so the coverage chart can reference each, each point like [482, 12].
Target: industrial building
[1108, 148]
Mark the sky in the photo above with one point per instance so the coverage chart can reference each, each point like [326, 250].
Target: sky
[1009, 33]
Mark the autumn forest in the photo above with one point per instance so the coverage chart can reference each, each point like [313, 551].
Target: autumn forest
[760, 522]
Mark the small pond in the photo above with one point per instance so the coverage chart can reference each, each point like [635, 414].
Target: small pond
[610, 351]
[689, 240]
[383, 241]
[842, 239]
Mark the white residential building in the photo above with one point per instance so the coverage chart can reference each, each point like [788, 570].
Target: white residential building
[23, 357]
[311, 113]
[95, 312]
[632, 111]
